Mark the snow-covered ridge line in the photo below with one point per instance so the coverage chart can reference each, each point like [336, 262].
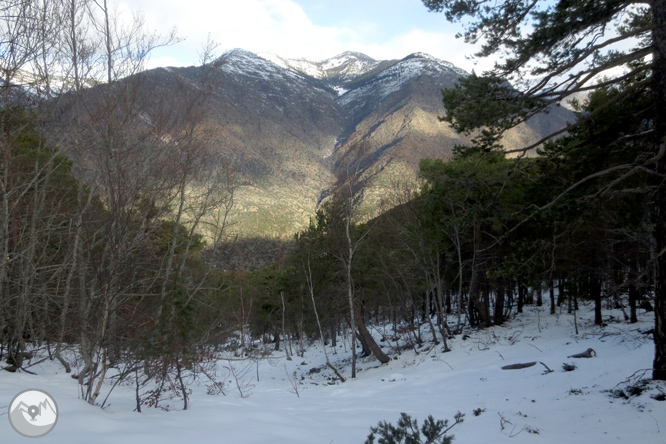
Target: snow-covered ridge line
[395, 76]
[347, 66]
[241, 61]
[338, 73]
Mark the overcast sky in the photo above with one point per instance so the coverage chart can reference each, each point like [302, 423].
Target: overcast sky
[314, 29]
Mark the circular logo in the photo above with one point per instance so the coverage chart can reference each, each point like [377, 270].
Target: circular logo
[33, 413]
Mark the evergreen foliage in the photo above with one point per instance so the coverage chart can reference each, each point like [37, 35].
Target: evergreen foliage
[407, 431]
[548, 51]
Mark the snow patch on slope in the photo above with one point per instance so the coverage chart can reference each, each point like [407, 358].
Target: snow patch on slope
[347, 65]
[242, 62]
[394, 77]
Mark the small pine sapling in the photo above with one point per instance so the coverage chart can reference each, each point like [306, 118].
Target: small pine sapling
[407, 431]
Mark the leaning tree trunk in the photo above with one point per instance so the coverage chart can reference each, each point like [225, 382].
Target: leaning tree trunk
[370, 341]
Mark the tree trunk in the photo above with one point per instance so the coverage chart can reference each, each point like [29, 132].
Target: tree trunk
[284, 330]
[365, 345]
[475, 284]
[460, 278]
[426, 313]
[659, 91]
[569, 300]
[367, 339]
[441, 314]
[499, 305]
[509, 301]
[334, 335]
[486, 305]
[521, 296]
[595, 294]
[633, 297]
[350, 294]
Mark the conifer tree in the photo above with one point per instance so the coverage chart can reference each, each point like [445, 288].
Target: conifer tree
[551, 50]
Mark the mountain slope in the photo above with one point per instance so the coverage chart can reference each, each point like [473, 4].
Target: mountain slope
[275, 126]
[292, 128]
[395, 123]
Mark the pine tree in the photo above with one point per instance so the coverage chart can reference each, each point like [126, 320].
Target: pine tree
[551, 50]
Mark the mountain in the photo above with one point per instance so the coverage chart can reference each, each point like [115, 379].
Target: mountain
[337, 71]
[390, 116]
[293, 127]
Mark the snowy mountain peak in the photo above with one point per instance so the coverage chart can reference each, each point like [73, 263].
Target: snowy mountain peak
[337, 71]
[348, 65]
[246, 63]
[359, 81]
[239, 53]
[240, 58]
[434, 60]
[346, 58]
[273, 58]
[301, 65]
[345, 66]
[355, 54]
[422, 55]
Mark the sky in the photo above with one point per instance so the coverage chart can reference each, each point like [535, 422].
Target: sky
[313, 29]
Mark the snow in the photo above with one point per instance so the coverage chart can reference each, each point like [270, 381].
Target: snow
[307, 67]
[437, 61]
[275, 59]
[246, 63]
[388, 81]
[346, 66]
[304, 66]
[394, 77]
[354, 64]
[340, 90]
[291, 404]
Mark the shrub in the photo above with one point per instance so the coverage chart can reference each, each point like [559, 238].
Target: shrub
[407, 431]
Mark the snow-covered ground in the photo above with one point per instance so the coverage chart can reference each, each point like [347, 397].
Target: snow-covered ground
[513, 406]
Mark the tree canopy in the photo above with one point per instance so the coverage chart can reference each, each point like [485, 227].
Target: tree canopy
[547, 52]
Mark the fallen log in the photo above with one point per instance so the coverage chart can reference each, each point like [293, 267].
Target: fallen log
[586, 354]
[518, 366]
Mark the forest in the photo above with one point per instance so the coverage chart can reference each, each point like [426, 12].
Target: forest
[112, 202]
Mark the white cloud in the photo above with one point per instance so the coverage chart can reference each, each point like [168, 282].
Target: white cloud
[439, 44]
[282, 27]
[277, 26]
